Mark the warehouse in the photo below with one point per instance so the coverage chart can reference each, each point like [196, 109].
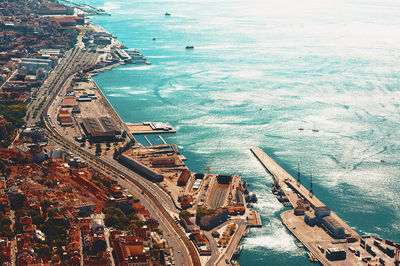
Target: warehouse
[100, 129]
[333, 226]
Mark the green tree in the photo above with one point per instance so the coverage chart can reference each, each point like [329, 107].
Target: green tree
[185, 213]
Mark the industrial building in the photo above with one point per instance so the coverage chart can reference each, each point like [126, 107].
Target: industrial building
[103, 128]
[32, 65]
[214, 219]
[184, 178]
[69, 101]
[126, 159]
[333, 226]
[65, 118]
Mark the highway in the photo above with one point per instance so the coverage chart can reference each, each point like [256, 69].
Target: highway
[185, 252]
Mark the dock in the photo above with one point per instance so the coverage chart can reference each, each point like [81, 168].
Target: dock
[254, 219]
[150, 128]
[227, 256]
[162, 139]
[288, 184]
[318, 236]
[148, 140]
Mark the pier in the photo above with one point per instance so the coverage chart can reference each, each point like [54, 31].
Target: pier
[227, 256]
[317, 227]
[150, 128]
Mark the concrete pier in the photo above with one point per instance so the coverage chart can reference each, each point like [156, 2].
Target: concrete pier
[148, 140]
[162, 139]
[316, 238]
[287, 182]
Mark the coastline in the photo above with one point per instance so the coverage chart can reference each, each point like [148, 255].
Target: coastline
[244, 227]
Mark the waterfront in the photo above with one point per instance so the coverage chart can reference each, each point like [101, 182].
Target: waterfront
[258, 78]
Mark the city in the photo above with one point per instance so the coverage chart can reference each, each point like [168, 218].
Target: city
[78, 188]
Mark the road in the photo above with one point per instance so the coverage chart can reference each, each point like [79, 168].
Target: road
[186, 254]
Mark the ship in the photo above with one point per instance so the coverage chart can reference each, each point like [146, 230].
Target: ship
[167, 14]
[189, 47]
[237, 251]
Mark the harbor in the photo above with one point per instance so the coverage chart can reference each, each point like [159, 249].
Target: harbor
[329, 239]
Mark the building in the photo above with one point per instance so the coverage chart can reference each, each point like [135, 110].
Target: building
[184, 178]
[333, 226]
[321, 212]
[310, 218]
[69, 21]
[69, 101]
[32, 65]
[50, 8]
[102, 128]
[163, 161]
[214, 218]
[126, 159]
[65, 118]
[187, 224]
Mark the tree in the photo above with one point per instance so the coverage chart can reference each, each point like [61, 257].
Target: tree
[185, 213]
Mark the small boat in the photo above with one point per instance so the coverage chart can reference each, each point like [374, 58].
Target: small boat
[237, 251]
[300, 128]
[315, 130]
[154, 38]
[299, 244]
[383, 161]
[311, 257]
[167, 14]
[189, 47]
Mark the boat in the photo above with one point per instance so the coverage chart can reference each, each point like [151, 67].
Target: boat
[246, 232]
[167, 14]
[154, 38]
[237, 251]
[189, 47]
[315, 130]
[300, 128]
[311, 257]
[299, 244]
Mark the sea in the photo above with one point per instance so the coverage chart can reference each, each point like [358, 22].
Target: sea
[261, 70]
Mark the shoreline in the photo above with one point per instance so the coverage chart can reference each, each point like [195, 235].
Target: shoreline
[255, 216]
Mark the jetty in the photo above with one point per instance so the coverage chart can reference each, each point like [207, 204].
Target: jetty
[330, 240]
[150, 128]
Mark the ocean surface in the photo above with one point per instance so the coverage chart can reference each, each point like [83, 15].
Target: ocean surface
[261, 70]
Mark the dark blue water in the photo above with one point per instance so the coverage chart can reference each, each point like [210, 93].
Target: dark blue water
[259, 71]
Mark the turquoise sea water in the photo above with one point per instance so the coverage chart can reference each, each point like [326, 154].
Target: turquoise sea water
[259, 71]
